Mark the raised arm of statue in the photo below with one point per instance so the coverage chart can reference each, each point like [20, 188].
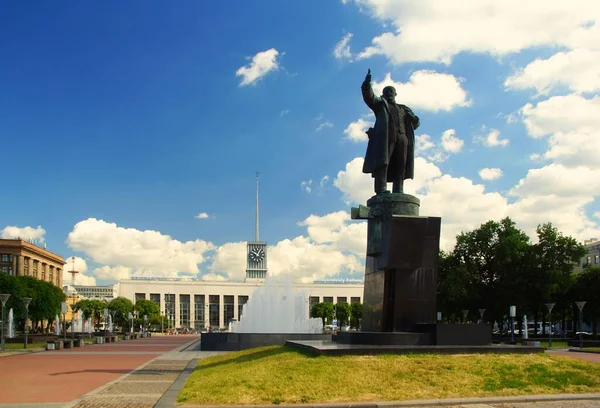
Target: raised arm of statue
[367, 91]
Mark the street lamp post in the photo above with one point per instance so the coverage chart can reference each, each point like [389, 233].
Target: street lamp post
[63, 310]
[3, 298]
[481, 313]
[512, 313]
[130, 315]
[112, 321]
[26, 301]
[465, 314]
[105, 315]
[146, 325]
[580, 305]
[550, 306]
[73, 314]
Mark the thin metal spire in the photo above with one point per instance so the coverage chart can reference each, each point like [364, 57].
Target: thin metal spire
[256, 235]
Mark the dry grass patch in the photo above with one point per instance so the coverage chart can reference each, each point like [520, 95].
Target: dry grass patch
[277, 375]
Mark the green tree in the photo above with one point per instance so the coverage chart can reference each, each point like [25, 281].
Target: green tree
[148, 308]
[342, 313]
[324, 311]
[453, 285]
[493, 257]
[550, 275]
[94, 309]
[356, 311]
[46, 297]
[587, 288]
[121, 307]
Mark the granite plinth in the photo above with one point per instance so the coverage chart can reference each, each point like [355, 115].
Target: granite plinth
[455, 334]
[330, 348]
[243, 341]
[400, 282]
[378, 338]
[439, 334]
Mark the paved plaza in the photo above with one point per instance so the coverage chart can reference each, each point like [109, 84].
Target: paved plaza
[143, 373]
[86, 377]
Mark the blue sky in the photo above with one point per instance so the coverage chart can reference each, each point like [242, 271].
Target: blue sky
[122, 122]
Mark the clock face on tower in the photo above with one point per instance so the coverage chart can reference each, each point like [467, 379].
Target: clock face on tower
[257, 255]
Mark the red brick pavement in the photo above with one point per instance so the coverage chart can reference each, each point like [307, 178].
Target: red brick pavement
[591, 357]
[66, 375]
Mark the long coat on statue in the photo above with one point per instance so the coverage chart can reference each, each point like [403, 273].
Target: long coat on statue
[377, 155]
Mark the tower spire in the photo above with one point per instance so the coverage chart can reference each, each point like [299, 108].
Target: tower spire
[256, 235]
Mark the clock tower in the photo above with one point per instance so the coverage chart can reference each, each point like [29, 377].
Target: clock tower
[256, 252]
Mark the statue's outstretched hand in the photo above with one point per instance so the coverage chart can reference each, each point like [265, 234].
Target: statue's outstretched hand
[368, 77]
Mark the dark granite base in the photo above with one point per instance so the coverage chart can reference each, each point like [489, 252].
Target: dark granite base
[243, 341]
[379, 338]
[440, 334]
[329, 348]
[455, 334]
[576, 343]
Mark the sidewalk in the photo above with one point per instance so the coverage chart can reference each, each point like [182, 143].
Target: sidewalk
[64, 377]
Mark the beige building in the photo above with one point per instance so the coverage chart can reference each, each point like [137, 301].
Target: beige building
[23, 258]
[592, 255]
[200, 304]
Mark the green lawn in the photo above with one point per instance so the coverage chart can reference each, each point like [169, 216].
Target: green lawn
[278, 375]
[19, 346]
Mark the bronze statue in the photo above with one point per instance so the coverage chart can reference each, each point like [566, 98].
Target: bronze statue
[390, 152]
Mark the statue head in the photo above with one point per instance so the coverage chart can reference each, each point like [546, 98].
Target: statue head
[389, 93]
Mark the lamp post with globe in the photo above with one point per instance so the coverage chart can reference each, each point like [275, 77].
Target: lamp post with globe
[550, 306]
[3, 298]
[26, 301]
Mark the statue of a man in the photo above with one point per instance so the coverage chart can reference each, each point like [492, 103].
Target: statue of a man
[390, 152]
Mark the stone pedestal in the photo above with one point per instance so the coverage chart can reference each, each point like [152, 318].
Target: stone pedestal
[401, 264]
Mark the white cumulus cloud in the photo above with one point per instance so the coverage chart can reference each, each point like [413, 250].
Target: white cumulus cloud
[577, 70]
[490, 173]
[427, 90]
[201, 216]
[146, 252]
[450, 142]
[492, 138]
[25, 233]
[356, 131]
[324, 125]
[80, 266]
[562, 114]
[438, 30]
[342, 48]
[260, 65]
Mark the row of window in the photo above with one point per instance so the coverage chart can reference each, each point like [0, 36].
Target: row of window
[6, 258]
[8, 269]
[588, 261]
[214, 307]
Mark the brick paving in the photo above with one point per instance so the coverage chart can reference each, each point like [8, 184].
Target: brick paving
[591, 357]
[137, 373]
[68, 375]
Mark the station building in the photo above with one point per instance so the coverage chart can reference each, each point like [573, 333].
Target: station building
[202, 304]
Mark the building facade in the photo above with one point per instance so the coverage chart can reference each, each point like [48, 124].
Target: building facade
[23, 258]
[592, 254]
[199, 304]
[107, 292]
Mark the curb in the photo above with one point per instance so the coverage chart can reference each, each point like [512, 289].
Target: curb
[576, 350]
[12, 353]
[413, 403]
[169, 398]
